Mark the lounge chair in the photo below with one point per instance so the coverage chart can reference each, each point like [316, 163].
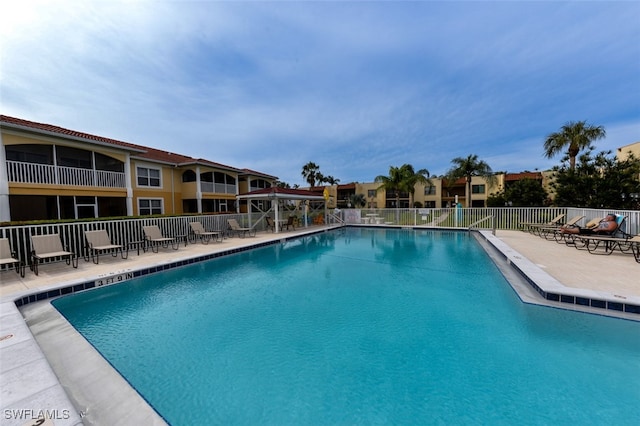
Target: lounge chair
[154, 238]
[290, 223]
[635, 247]
[9, 258]
[98, 242]
[46, 247]
[606, 244]
[270, 224]
[554, 232]
[530, 226]
[239, 230]
[609, 241]
[204, 235]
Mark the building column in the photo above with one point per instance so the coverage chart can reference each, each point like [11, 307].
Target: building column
[5, 212]
[127, 179]
[199, 190]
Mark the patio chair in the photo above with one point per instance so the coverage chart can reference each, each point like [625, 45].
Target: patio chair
[594, 225]
[607, 244]
[204, 235]
[154, 238]
[609, 241]
[554, 232]
[290, 223]
[270, 224]
[98, 241]
[9, 258]
[530, 226]
[635, 247]
[48, 247]
[240, 231]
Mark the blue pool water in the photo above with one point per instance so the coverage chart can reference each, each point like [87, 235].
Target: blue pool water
[366, 326]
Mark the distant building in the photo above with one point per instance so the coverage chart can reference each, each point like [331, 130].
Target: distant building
[440, 194]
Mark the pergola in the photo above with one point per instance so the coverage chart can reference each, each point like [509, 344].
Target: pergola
[276, 194]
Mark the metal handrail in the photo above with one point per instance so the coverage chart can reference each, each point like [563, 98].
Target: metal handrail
[493, 226]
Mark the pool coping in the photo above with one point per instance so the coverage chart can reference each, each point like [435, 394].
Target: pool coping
[27, 362]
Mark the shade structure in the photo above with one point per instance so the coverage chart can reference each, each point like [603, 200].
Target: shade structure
[276, 194]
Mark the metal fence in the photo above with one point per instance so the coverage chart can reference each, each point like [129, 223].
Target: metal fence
[126, 231]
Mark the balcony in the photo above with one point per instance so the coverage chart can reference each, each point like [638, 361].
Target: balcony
[46, 174]
[217, 188]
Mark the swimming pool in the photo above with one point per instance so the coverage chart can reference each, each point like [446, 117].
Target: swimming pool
[369, 326]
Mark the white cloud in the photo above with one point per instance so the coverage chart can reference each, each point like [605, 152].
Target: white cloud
[355, 87]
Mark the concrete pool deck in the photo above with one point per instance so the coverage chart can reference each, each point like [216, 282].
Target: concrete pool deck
[72, 376]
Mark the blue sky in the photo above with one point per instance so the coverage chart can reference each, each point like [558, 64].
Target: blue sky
[355, 87]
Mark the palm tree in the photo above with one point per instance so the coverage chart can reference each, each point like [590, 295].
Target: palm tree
[411, 178]
[403, 179]
[469, 167]
[331, 180]
[574, 136]
[310, 173]
[357, 200]
[393, 183]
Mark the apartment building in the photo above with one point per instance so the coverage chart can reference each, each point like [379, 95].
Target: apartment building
[441, 193]
[48, 172]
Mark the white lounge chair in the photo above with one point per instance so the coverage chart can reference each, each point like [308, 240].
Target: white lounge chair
[154, 238]
[99, 241]
[240, 231]
[10, 258]
[204, 235]
[46, 247]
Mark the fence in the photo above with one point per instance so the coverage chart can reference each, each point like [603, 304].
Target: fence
[125, 231]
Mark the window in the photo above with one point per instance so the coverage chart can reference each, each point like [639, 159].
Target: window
[260, 184]
[477, 189]
[189, 176]
[220, 177]
[104, 162]
[40, 154]
[372, 193]
[430, 190]
[74, 157]
[148, 177]
[149, 206]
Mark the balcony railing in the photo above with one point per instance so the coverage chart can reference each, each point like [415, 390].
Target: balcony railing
[217, 188]
[47, 174]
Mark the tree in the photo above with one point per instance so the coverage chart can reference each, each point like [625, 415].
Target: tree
[357, 200]
[522, 193]
[468, 168]
[598, 181]
[331, 180]
[392, 183]
[402, 179]
[574, 137]
[411, 178]
[310, 173]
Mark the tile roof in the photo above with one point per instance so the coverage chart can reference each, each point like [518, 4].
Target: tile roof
[523, 175]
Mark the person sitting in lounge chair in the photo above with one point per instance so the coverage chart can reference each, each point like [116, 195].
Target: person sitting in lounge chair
[606, 226]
